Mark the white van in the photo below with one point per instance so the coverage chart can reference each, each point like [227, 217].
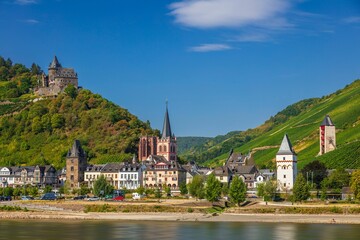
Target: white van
[137, 196]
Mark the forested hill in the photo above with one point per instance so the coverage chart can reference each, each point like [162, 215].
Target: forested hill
[36, 131]
[301, 122]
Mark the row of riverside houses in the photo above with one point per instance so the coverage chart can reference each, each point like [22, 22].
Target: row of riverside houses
[36, 176]
[157, 166]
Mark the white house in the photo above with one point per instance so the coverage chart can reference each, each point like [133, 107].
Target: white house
[7, 179]
[286, 165]
[131, 175]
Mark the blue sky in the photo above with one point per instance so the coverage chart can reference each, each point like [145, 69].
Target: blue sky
[223, 64]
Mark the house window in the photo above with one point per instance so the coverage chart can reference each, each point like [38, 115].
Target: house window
[221, 177]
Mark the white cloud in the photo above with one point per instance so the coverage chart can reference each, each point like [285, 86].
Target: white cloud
[212, 47]
[353, 19]
[31, 21]
[25, 2]
[252, 37]
[230, 13]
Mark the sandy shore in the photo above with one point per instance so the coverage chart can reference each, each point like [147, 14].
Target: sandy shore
[225, 217]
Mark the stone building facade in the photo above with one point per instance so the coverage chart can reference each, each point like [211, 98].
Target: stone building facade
[76, 164]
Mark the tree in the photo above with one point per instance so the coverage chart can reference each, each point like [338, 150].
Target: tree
[167, 191]
[158, 193]
[47, 189]
[315, 171]
[237, 190]
[301, 189]
[140, 190]
[71, 91]
[196, 187]
[338, 179]
[266, 190]
[102, 187]
[84, 189]
[355, 184]
[33, 191]
[183, 188]
[213, 188]
[57, 121]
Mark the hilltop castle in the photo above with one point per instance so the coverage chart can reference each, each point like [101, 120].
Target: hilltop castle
[57, 80]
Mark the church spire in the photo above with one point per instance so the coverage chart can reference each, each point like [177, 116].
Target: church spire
[55, 63]
[166, 132]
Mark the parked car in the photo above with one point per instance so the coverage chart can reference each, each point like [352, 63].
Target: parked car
[137, 196]
[48, 196]
[119, 198]
[95, 198]
[81, 197]
[26, 198]
[5, 198]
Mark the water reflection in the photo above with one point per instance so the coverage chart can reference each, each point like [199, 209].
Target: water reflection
[90, 230]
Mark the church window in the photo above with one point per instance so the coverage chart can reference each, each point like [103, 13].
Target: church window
[284, 184]
[160, 148]
[284, 176]
[283, 158]
[165, 149]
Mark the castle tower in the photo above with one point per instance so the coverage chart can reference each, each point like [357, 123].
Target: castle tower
[286, 165]
[147, 147]
[167, 146]
[53, 67]
[76, 164]
[327, 136]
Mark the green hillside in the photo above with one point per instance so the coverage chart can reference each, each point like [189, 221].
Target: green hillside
[301, 122]
[34, 131]
[187, 143]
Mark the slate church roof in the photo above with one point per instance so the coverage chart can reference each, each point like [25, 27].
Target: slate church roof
[166, 132]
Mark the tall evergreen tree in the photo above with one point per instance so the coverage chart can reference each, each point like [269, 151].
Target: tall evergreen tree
[196, 187]
[213, 188]
[301, 189]
[102, 187]
[237, 190]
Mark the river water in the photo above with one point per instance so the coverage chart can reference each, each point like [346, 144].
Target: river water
[74, 230]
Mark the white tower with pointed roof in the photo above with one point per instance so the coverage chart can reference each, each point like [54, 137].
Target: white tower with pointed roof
[327, 136]
[286, 165]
